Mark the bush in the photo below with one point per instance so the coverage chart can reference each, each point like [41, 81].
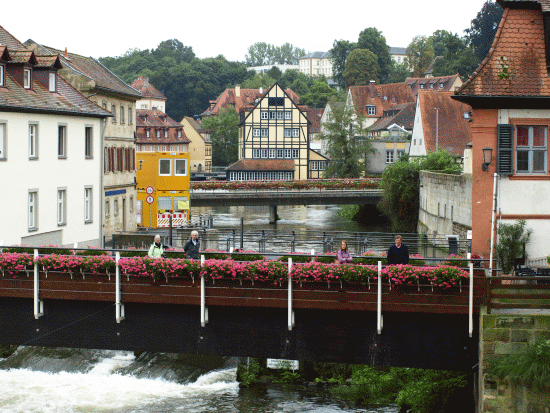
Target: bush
[512, 239]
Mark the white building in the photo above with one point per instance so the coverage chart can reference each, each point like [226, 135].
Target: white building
[50, 153]
[316, 64]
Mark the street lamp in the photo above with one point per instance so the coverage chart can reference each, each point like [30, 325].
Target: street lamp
[487, 158]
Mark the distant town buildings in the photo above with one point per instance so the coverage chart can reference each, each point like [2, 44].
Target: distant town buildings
[200, 145]
[316, 64]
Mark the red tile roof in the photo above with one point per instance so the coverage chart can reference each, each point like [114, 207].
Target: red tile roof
[262, 165]
[453, 131]
[49, 62]
[415, 82]
[6, 39]
[4, 54]
[23, 57]
[382, 96]
[152, 120]
[404, 118]
[147, 89]
[516, 63]
[205, 133]
[314, 116]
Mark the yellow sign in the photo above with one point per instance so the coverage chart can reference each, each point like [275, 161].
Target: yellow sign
[183, 204]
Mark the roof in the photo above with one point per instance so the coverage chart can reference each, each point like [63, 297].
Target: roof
[381, 96]
[262, 165]
[398, 50]
[316, 55]
[6, 39]
[403, 118]
[153, 118]
[23, 57]
[204, 133]
[88, 67]
[542, 4]
[147, 89]
[314, 115]
[448, 81]
[448, 124]
[516, 64]
[48, 62]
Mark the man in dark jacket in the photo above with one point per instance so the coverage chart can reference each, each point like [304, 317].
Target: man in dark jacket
[192, 247]
[398, 253]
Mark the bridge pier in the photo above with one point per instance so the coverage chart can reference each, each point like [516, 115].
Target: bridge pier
[273, 214]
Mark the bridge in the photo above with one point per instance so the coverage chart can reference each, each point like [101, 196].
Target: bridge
[284, 196]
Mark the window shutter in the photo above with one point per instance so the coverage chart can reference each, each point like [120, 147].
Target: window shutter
[505, 145]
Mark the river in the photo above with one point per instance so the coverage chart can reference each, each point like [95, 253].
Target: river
[44, 380]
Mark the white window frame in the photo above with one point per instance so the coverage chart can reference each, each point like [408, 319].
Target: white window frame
[280, 153]
[2, 75]
[32, 210]
[295, 132]
[158, 133]
[264, 153]
[280, 115]
[179, 134]
[288, 115]
[371, 110]
[264, 115]
[256, 153]
[272, 114]
[52, 81]
[296, 153]
[530, 149]
[288, 153]
[179, 161]
[130, 116]
[61, 207]
[3, 140]
[107, 211]
[88, 204]
[264, 132]
[162, 162]
[314, 165]
[166, 134]
[272, 153]
[390, 156]
[288, 132]
[62, 141]
[27, 78]
[256, 132]
[322, 165]
[88, 142]
[148, 133]
[33, 140]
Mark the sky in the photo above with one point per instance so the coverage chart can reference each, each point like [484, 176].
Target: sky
[101, 28]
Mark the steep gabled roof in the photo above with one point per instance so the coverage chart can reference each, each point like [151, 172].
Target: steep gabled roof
[404, 118]
[4, 54]
[157, 119]
[204, 133]
[447, 81]
[23, 56]
[262, 165]
[516, 64]
[448, 125]
[147, 89]
[381, 96]
[51, 62]
[6, 39]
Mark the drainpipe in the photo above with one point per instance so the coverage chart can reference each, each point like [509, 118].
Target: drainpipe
[101, 172]
[493, 223]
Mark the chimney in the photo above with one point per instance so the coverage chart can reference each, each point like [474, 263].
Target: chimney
[146, 81]
[261, 90]
[238, 91]
[66, 55]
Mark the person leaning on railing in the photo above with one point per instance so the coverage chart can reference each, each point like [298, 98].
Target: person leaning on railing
[192, 246]
[157, 249]
[344, 257]
[398, 253]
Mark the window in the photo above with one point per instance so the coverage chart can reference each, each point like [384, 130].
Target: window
[264, 153]
[400, 152]
[264, 132]
[276, 101]
[180, 167]
[431, 85]
[264, 115]
[314, 165]
[322, 165]
[144, 106]
[288, 132]
[164, 148]
[255, 132]
[531, 149]
[280, 153]
[272, 153]
[27, 78]
[280, 115]
[441, 84]
[166, 134]
[148, 133]
[371, 110]
[88, 204]
[107, 208]
[255, 153]
[52, 81]
[130, 116]
[179, 134]
[131, 204]
[2, 71]
[295, 133]
[62, 141]
[389, 156]
[288, 153]
[33, 209]
[165, 167]
[33, 141]
[158, 133]
[288, 115]
[61, 206]
[3, 139]
[121, 114]
[295, 153]
[422, 85]
[113, 112]
[88, 142]
[115, 207]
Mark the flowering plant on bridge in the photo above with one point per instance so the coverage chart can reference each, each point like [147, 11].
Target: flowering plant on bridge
[305, 184]
[62, 263]
[446, 276]
[12, 263]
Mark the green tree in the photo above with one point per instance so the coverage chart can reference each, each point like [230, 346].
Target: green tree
[483, 28]
[288, 54]
[300, 86]
[259, 80]
[347, 144]
[512, 239]
[399, 72]
[318, 95]
[339, 53]
[361, 68]
[373, 40]
[261, 54]
[420, 54]
[458, 57]
[224, 132]
[274, 73]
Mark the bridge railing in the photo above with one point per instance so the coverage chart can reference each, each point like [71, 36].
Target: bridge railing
[512, 292]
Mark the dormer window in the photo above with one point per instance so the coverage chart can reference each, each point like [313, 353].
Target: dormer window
[52, 81]
[179, 134]
[148, 133]
[166, 134]
[2, 71]
[431, 85]
[441, 85]
[422, 85]
[158, 133]
[27, 78]
[371, 109]
[163, 118]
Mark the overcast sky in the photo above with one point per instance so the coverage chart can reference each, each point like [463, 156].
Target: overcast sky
[100, 28]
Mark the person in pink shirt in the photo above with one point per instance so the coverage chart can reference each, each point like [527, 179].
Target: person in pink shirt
[344, 257]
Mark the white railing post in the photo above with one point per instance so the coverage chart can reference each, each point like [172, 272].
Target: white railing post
[38, 303]
[290, 310]
[471, 297]
[204, 310]
[312, 255]
[118, 294]
[379, 321]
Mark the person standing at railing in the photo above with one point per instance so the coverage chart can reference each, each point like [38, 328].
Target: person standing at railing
[192, 247]
[344, 257]
[157, 249]
[398, 253]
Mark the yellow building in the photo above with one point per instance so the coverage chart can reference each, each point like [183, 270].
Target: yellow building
[200, 148]
[163, 185]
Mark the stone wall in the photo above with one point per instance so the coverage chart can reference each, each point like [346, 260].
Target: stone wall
[501, 335]
[445, 204]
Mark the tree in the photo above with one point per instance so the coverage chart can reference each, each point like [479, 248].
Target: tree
[339, 53]
[224, 132]
[420, 54]
[262, 54]
[399, 72]
[373, 40]
[483, 29]
[274, 73]
[259, 80]
[458, 57]
[288, 54]
[300, 86]
[361, 68]
[346, 142]
[175, 49]
[318, 95]
[512, 239]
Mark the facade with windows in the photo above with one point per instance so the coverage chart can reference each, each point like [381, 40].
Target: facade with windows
[158, 132]
[316, 64]
[276, 129]
[163, 183]
[152, 98]
[115, 141]
[200, 145]
[510, 100]
[52, 178]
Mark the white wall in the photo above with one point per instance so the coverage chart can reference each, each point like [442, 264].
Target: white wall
[47, 174]
[418, 143]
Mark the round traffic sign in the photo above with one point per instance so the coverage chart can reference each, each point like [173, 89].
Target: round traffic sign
[150, 199]
[149, 190]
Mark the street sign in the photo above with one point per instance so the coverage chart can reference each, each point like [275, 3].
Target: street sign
[150, 199]
[149, 190]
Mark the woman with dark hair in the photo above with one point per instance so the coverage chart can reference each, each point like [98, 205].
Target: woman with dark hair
[344, 257]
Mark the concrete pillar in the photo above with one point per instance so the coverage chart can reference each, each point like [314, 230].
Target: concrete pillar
[273, 214]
